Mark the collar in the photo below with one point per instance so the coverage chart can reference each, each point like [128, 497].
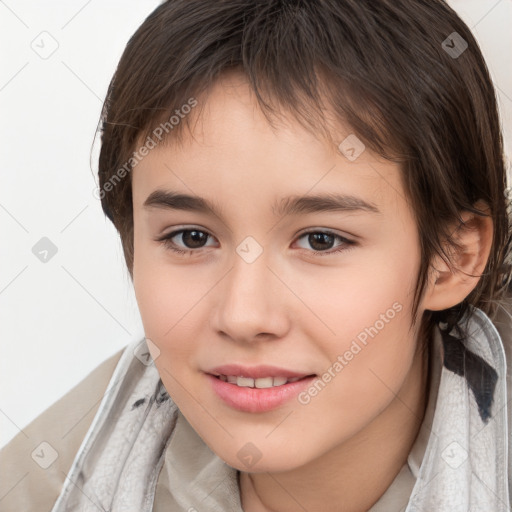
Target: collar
[420, 444]
[460, 459]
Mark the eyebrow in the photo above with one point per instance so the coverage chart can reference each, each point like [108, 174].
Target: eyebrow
[291, 205]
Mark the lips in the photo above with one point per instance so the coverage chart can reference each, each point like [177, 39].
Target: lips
[254, 399]
[256, 389]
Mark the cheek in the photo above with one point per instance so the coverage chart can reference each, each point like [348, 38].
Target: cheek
[369, 348]
[165, 306]
[371, 295]
[361, 378]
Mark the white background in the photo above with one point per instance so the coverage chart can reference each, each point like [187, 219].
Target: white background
[60, 319]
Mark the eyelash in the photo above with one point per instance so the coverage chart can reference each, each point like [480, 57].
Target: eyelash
[166, 240]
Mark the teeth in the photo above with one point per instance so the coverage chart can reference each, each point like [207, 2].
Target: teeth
[266, 382]
[278, 381]
[261, 383]
[245, 382]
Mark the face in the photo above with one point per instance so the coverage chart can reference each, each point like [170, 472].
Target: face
[320, 293]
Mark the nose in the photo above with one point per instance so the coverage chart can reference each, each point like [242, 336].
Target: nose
[252, 303]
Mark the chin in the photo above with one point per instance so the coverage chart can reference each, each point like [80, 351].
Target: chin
[253, 458]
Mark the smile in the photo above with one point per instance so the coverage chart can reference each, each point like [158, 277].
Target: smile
[257, 395]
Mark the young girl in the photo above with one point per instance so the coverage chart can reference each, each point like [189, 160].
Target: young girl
[311, 199]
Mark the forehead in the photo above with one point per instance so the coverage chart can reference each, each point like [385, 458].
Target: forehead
[231, 151]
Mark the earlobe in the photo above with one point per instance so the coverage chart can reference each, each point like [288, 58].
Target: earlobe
[450, 284]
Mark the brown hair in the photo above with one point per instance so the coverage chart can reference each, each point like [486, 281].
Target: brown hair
[384, 68]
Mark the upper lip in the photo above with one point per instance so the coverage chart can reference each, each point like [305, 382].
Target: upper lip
[255, 372]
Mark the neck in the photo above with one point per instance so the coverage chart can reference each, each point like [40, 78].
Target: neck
[354, 475]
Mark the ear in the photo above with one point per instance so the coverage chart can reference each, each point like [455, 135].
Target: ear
[450, 286]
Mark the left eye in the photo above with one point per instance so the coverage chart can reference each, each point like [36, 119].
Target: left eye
[320, 239]
[194, 239]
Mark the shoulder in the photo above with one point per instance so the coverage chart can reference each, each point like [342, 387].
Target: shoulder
[34, 464]
[503, 323]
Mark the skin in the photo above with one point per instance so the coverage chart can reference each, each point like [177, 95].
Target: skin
[292, 307]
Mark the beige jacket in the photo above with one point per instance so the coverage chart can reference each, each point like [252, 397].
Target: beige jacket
[34, 465]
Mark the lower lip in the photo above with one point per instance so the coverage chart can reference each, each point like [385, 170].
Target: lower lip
[255, 399]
